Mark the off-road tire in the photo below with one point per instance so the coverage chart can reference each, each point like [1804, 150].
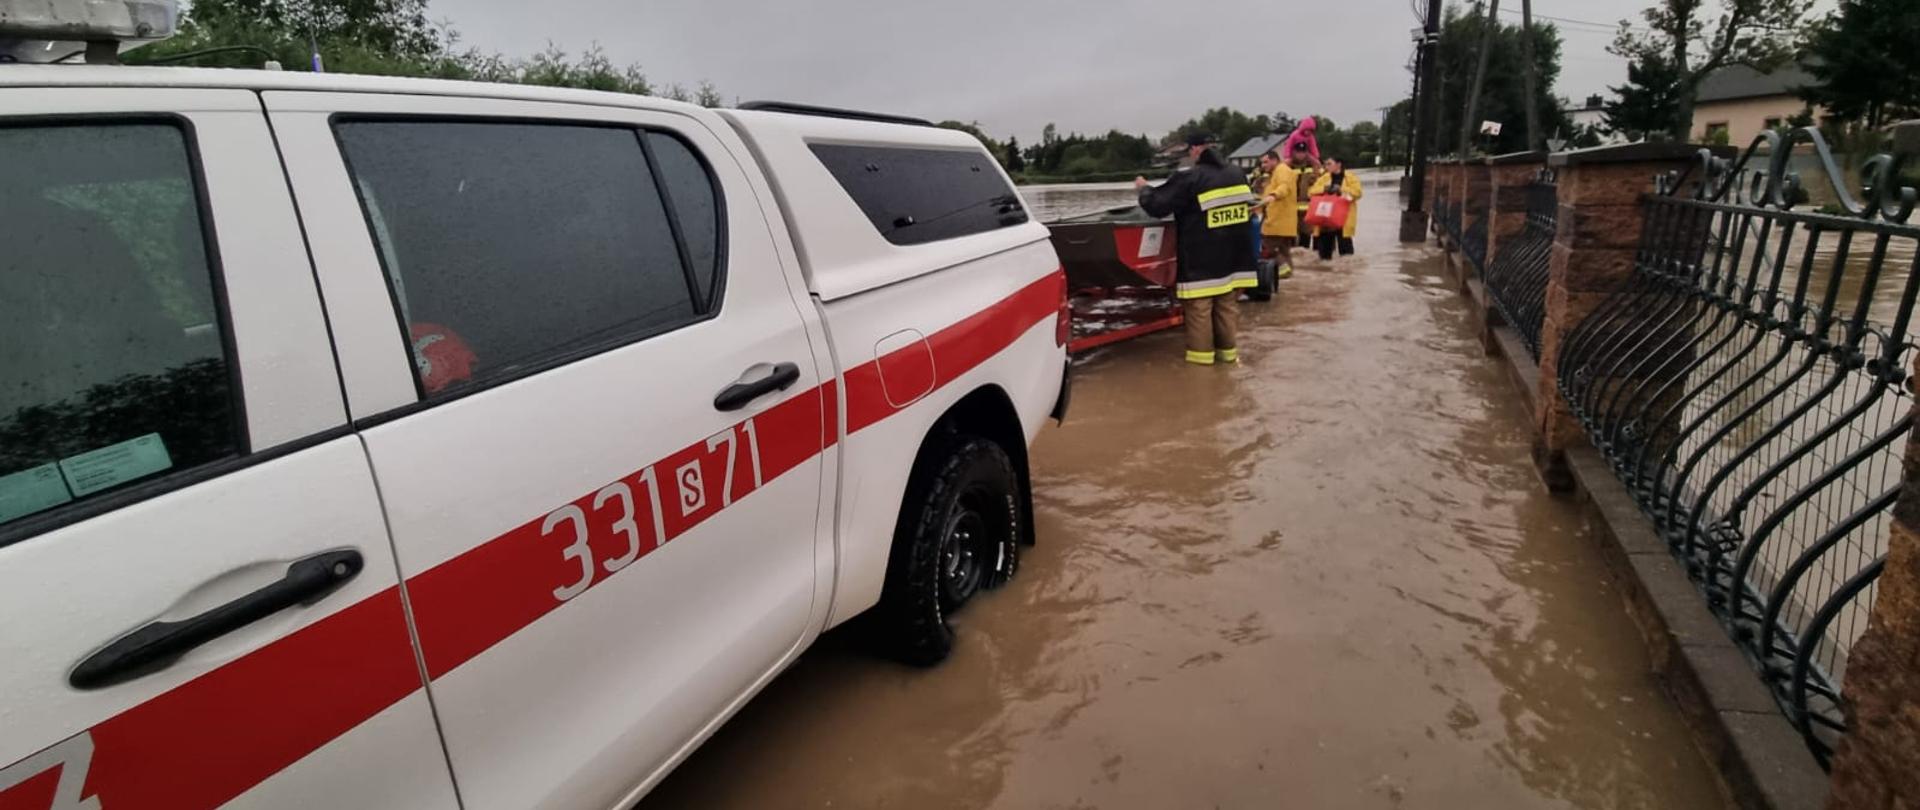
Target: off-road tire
[964, 492]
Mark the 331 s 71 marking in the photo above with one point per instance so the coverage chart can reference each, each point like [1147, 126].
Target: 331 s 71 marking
[612, 512]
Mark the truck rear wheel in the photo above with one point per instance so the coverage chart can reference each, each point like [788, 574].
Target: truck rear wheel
[959, 532]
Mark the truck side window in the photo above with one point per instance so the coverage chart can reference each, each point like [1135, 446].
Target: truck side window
[512, 246]
[696, 205]
[113, 369]
[919, 195]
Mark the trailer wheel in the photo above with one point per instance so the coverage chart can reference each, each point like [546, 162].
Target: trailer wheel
[959, 532]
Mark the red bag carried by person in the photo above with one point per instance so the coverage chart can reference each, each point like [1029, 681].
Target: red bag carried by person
[1327, 211]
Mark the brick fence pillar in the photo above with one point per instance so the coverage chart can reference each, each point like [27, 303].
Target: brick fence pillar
[1457, 195]
[1593, 253]
[1476, 204]
[1510, 176]
[1878, 764]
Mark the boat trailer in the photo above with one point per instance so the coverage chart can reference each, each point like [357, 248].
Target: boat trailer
[1120, 266]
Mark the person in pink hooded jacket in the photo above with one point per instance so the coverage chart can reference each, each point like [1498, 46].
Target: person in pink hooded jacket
[1302, 134]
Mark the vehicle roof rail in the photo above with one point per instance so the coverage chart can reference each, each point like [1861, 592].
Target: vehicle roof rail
[833, 112]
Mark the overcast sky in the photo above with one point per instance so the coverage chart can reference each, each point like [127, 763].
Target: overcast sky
[1014, 65]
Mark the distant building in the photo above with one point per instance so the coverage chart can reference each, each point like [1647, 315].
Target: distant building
[1743, 102]
[1248, 155]
[1591, 116]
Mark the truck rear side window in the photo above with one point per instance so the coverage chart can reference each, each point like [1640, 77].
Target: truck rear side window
[113, 369]
[918, 195]
[511, 246]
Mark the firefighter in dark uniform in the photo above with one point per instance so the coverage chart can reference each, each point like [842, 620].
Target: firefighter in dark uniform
[1211, 205]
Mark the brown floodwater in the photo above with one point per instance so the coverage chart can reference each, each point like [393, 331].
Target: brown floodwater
[1325, 578]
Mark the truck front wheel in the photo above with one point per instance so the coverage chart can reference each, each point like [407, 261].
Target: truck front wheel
[959, 532]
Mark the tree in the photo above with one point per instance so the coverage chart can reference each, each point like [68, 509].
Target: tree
[1282, 122]
[1756, 33]
[1471, 122]
[1363, 139]
[1010, 157]
[1398, 141]
[369, 36]
[380, 37]
[593, 71]
[1503, 95]
[708, 96]
[1076, 155]
[1866, 57]
[1586, 136]
[1334, 142]
[1645, 106]
[1231, 126]
[973, 128]
[397, 27]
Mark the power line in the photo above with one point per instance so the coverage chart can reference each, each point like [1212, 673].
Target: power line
[1567, 20]
[1571, 21]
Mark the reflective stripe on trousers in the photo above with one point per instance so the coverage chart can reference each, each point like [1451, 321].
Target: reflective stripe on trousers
[1209, 287]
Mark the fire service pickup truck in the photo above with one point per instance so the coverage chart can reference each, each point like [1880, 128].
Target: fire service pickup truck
[371, 442]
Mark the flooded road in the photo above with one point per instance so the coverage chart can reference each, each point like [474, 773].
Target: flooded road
[1049, 202]
[1325, 578]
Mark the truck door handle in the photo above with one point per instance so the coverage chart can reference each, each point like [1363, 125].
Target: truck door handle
[736, 396]
[157, 645]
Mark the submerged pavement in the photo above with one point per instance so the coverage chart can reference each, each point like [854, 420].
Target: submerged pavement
[1325, 578]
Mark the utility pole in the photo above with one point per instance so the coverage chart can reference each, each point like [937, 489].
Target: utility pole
[1413, 113]
[1526, 72]
[1413, 221]
[1468, 124]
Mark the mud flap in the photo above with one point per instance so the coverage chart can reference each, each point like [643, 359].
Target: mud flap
[1066, 394]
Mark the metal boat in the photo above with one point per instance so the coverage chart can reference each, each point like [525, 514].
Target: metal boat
[1120, 271]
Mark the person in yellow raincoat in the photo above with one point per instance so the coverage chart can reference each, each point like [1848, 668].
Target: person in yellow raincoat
[1337, 180]
[1280, 227]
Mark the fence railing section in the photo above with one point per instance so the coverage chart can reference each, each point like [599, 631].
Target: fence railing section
[1473, 240]
[1517, 277]
[1749, 386]
[1456, 221]
[1446, 213]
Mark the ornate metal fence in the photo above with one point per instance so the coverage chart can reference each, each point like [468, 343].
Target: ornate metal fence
[1749, 386]
[1456, 213]
[1446, 214]
[1517, 278]
[1473, 240]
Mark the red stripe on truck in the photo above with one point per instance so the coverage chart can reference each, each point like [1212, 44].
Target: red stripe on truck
[212, 738]
[475, 600]
[957, 349]
[37, 793]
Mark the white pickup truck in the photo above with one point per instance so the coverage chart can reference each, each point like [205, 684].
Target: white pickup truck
[374, 443]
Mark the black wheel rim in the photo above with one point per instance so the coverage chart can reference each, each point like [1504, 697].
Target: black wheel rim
[964, 544]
